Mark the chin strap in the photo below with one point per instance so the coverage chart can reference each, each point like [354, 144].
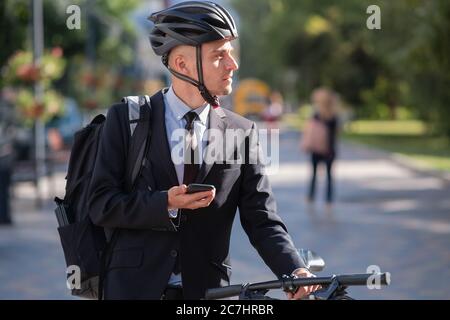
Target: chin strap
[212, 100]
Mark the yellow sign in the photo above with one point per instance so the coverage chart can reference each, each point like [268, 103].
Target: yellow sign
[251, 98]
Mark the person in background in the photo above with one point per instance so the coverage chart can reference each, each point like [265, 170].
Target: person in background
[61, 129]
[274, 110]
[325, 124]
[7, 132]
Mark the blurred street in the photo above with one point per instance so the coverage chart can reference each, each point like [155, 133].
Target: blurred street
[385, 214]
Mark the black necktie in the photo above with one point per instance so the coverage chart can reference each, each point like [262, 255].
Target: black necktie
[191, 163]
[191, 154]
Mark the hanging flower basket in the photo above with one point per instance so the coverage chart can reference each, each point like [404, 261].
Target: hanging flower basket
[90, 104]
[28, 73]
[21, 74]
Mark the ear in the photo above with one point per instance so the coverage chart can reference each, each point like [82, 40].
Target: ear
[182, 60]
[180, 64]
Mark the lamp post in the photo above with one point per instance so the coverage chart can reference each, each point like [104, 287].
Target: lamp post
[39, 128]
[90, 27]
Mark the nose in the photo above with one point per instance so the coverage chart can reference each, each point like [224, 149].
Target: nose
[231, 63]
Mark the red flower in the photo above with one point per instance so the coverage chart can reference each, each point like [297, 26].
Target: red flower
[28, 72]
[57, 52]
[90, 104]
[88, 79]
[35, 111]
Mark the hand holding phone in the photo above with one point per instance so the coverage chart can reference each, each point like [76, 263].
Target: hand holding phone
[193, 196]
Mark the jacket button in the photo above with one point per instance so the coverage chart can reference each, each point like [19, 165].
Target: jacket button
[174, 253]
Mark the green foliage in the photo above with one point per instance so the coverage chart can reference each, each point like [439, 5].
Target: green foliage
[426, 150]
[429, 65]
[14, 17]
[402, 70]
[106, 39]
[21, 74]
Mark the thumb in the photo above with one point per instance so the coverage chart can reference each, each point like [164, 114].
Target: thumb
[182, 189]
[176, 190]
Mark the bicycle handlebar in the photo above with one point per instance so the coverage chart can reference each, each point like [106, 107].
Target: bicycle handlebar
[344, 280]
[224, 292]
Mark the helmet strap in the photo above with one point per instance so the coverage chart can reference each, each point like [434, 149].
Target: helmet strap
[212, 100]
[165, 60]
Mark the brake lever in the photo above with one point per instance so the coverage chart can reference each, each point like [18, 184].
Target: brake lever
[288, 284]
[326, 293]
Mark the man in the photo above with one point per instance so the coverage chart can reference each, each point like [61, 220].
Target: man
[174, 245]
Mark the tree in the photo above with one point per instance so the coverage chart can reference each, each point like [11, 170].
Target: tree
[109, 29]
[406, 62]
[317, 40]
[429, 65]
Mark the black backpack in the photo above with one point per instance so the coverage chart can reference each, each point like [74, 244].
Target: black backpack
[86, 246]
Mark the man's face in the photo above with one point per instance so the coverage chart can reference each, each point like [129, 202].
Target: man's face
[217, 61]
[218, 66]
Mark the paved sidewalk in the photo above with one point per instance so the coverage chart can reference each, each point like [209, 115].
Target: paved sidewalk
[385, 215]
[31, 259]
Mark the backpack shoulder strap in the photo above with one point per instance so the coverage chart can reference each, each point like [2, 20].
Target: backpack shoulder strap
[134, 105]
[139, 114]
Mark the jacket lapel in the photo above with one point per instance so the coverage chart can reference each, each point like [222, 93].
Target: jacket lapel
[217, 125]
[163, 158]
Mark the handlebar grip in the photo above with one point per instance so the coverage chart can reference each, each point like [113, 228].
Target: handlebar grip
[363, 279]
[225, 292]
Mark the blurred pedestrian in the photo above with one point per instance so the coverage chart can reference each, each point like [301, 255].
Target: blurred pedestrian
[274, 110]
[6, 159]
[319, 139]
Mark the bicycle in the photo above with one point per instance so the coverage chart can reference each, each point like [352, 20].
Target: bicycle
[333, 287]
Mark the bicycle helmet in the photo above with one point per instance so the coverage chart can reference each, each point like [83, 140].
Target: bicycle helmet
[191, 23]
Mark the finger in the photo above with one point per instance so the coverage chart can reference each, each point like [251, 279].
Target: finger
[200, 203]
[204, 202]
[301, 292]
[177, 190]
[199, 195]
[208, 197]
[308, 290]
[190, 202]
[205, 198]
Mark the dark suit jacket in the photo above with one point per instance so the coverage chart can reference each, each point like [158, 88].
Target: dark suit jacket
[148, 244]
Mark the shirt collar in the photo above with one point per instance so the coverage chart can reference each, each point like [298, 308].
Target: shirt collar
[179, 108]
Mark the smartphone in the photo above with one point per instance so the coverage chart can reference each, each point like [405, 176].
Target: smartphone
[198, 187]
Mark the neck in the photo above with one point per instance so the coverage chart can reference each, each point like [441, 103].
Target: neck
[188, 93]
